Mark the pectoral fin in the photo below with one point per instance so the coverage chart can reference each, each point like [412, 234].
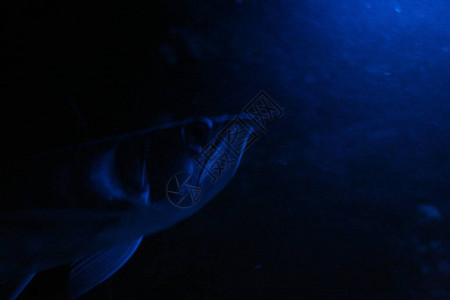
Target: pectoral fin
[93, 270]
[11, 289]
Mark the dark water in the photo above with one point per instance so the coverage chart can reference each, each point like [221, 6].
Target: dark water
[345, 197]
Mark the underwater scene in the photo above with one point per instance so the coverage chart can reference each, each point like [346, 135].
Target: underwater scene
[227, 149]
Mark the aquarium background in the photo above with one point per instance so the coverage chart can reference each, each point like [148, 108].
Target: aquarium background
[345, 197]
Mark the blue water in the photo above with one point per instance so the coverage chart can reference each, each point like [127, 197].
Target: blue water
[345, 197]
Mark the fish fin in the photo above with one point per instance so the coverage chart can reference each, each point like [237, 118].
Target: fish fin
[87, 273]
[12, 288]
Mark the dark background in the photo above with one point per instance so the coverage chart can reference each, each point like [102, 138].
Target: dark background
[346, 197]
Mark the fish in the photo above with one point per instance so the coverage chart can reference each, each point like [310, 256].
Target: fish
[89, 206]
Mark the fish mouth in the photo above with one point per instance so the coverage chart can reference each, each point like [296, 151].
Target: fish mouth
[218, 146]
[203, 157]
[199, 168]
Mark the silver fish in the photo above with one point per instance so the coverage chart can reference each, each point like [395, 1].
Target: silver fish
[90, 205]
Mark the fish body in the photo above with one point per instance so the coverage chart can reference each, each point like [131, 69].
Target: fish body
[89, 206]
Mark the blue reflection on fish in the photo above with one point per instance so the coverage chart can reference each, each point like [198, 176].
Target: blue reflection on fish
[89, 206]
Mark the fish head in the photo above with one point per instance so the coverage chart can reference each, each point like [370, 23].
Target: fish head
[194, 161]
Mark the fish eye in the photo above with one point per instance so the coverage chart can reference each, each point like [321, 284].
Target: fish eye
[196, 133]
